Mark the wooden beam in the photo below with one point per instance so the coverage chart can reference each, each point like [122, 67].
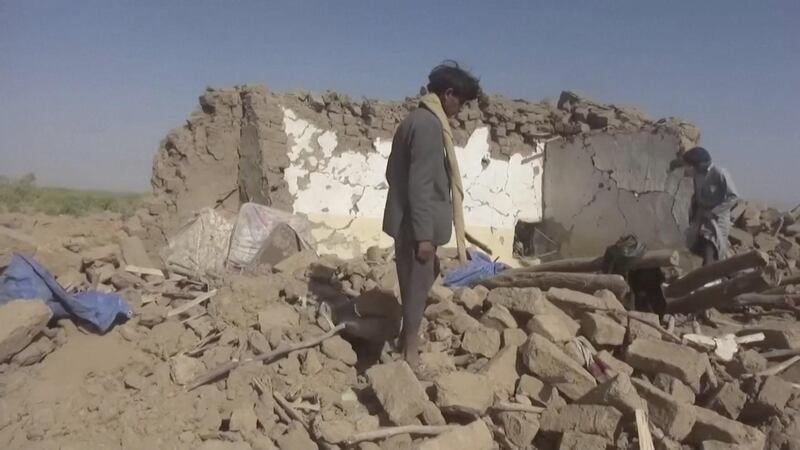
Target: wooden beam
[722, 294]
[651, 259]
[583, 282]
[712, 272]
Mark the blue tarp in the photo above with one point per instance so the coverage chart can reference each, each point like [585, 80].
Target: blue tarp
[24, 278]
[480, 267]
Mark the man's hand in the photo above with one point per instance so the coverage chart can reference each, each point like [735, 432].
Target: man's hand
[425, 251]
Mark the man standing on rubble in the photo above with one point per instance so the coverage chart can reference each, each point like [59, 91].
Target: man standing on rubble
[419, 208]
[710, 211]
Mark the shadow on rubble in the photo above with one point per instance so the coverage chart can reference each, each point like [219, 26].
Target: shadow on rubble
[372, 319]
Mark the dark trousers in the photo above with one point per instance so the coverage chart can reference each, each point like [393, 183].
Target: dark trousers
[415, 280]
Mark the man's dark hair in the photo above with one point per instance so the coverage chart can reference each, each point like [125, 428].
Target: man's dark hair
[696, 155]
[449, 75]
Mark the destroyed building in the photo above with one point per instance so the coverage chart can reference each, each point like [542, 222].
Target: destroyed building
[568, 177]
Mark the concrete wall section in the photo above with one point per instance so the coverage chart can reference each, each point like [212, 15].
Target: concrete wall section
[600, 186]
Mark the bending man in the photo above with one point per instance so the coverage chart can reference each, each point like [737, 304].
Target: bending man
[710, 211]
[419, 209]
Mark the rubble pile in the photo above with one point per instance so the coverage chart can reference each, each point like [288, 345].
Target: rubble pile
[769, 230]
[301, 355]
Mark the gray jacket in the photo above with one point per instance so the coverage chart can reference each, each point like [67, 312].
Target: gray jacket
[419, 188]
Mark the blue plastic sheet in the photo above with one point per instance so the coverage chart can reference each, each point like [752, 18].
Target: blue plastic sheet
[479, 267]
[24, 278]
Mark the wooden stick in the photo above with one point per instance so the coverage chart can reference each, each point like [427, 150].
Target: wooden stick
[699, 277]
[185, 307]
[771, 300]
[279, 352]
[776, 369]
[643, 429]
[722, 293]
[777, 354]
[383, 433]
[651, 259]
[144, 271]
[517, 407]
[477, 243]
[583, 282]
[288, 408]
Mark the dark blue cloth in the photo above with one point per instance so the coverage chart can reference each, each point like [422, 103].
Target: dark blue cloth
[24, 278]
[480, 267]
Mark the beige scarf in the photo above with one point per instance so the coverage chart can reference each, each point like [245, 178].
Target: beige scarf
[432, 103]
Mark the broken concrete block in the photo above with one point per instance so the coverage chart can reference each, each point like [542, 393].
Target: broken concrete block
[296, 263]
[469, 299]
[673, 417]
[610, 299]
[520, 428]
[185, 369]
[639, 330]
[582, 441]
[243, 419]
[514, 337]
[277, 316]
[548, 362]
[674, 387]
[538, 391]
[522, 302]
[554, 327]
[464, 393]
[608, 360]
[617, 392]
[296, 438]
[332, 431]
[741, 238]
[766, 242]
[712, 426]
[20, 322]
[771, 399]
[728, 400]
[448, 313]
[746, 362]
[682, 362]
[398, 391]
[338, 348]
[34, 352]
[152, 314]
[134, 253]
[499, 318]
[482, 341]
[601, 330]
[579, 301]
[502, 371]
[473, 436]
[436, 363]
[591, 419]
[440, 294]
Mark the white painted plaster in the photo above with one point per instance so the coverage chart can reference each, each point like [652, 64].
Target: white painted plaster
[352, 184]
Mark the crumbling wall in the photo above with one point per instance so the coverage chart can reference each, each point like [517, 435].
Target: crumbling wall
[600, 186]
[324, 156]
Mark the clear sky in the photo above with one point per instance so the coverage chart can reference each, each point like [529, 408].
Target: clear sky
[88, 88]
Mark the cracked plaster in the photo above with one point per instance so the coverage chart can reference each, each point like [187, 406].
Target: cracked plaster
[343, 191]
[602, 186]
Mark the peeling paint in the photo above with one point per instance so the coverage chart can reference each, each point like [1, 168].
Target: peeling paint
[345, 190]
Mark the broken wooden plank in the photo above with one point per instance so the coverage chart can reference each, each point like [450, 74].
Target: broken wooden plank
[138, 270]
[722, 294]
[583, 282]
[187, 306]
[651, 259]
[712, 272]
[643, 430]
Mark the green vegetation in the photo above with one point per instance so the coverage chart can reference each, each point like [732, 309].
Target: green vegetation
[23, 195]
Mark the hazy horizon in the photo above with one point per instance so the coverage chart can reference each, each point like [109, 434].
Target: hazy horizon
[90, 88]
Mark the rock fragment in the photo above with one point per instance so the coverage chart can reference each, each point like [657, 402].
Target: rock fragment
[728, 400]
[680, 361]
[552, 326]
[464, 393]
[398, 391]
[673, 417]
[602, 330]
[482, 341]
[473, 436]
[548, 362]
[617, 392]
[591, 419]
[338, 348]
[20, 322]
